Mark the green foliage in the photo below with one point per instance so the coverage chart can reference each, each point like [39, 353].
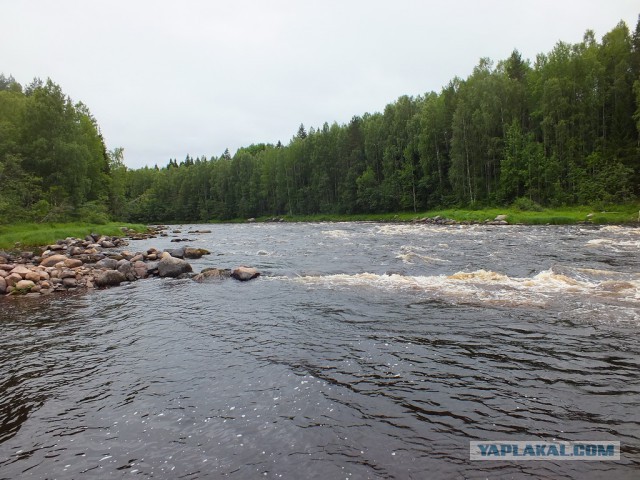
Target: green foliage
[525, 204]
[52, 156]
[561, 131]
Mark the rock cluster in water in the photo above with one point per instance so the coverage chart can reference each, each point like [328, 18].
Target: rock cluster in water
[438, 220]
[74, 264]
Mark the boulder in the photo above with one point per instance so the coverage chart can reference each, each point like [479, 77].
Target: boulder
[500, 218]
[25, 285]
[140, 269]
[12, 279]
[110, 278]
[67, 274]
[108, 263]
[152, 268]
[190, 252]
[212, 274]
[52, 260]
[73, 263]
[244, 273]
[169, 266]
[125, 267]
[3, 285]
[76, 251]
[176, 252]
[21, 270]
[33, 276]
[55, 247]
[69, 282]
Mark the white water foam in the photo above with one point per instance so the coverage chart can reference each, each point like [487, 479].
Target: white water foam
[485, 286]
[616, 245]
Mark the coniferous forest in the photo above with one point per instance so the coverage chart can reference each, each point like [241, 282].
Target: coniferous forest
[559, 130]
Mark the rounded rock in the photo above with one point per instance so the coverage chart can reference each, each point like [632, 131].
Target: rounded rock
[25, 285]
[52, 260]
[72, 263]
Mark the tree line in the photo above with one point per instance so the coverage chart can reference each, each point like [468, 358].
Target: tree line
[561, 130]
[53, 160]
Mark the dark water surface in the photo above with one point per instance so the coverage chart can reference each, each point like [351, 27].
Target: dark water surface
[364, 351]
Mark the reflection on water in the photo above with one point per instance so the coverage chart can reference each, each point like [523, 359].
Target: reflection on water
[365, 351]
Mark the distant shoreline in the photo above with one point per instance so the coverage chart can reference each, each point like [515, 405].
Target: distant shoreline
[621, 215]
[15, 236]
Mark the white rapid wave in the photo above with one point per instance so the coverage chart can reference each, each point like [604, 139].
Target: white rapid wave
[489, 287]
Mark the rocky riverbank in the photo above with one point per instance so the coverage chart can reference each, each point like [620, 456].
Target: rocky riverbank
[99, 262]
[438, 220]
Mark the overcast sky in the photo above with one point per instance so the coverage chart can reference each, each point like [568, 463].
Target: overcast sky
[170, 78]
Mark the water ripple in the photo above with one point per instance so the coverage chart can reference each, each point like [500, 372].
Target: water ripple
[511, 333]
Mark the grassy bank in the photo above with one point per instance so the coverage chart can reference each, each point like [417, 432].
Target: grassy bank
[553, 216]
[38, 234]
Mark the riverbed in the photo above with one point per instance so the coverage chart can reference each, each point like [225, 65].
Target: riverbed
[364, 350]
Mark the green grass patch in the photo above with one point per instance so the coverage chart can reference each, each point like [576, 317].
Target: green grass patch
[38, 234]
[545, 216]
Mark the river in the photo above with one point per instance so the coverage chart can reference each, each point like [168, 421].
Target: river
[364, 350]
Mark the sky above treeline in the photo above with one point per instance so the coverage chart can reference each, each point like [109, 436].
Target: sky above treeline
[165, 79]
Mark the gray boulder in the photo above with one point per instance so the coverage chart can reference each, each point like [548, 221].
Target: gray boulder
[244, 273]
[212, 274]
[176, 252]
[110, 278]
[126, 268]
[108, 263]
[152, 268]
[169, 266]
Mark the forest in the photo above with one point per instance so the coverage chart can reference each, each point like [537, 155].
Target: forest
[560, 130]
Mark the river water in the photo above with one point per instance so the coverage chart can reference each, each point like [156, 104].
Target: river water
[363, 351]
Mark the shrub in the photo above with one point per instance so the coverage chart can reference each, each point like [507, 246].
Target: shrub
[525, 204]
